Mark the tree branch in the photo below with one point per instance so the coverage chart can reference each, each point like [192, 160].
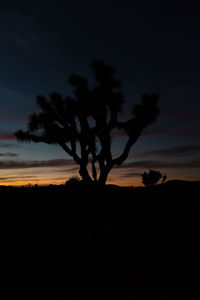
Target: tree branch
[132, 139]
[71, 152]
[25, 136]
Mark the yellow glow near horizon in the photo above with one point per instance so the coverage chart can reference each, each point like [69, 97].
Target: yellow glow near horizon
[47, 176]
[43, 182]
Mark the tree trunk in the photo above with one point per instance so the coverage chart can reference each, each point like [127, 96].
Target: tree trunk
[84, 174]
[104, 175]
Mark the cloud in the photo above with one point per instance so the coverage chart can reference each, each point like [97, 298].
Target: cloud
[185, 150]
[4, 145]
[75, 168]
[10, 145]
[155, 164]
[17, 178]
[6, 135]
[163, 132]
[173, 133]
[15, 95]
[129, 174]
[36, 164]
[9, 154]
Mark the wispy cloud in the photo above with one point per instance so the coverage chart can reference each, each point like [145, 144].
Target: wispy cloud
[37, 43]
[35, 164]
[6, 145]
[6, 135]
[15, 95]
[128, 174]
[185, 150]
[173, 133]
[156, 164]
[17, 178]
[9, 154]
[185, 132]
[73, 169]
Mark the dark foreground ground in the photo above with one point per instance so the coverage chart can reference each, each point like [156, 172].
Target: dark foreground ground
[91, 243]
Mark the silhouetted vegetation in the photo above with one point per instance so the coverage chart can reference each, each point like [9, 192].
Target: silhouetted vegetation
[89, 118]
[152, 178]
[73, 181]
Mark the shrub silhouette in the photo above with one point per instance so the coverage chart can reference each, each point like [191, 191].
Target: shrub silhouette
[152, 178]
[88, 119]
[73, 181]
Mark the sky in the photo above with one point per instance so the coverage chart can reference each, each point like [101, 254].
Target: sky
[154, 47]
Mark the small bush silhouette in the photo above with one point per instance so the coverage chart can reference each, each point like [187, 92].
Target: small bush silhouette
[73, 181]
[152, 178]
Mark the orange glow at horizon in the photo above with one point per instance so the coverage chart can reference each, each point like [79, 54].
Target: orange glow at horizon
[57, 176]
[59, 182]
[120, 177]
[44, 180]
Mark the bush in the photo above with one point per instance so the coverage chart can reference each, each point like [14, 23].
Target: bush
[73, 181]
[152, 178]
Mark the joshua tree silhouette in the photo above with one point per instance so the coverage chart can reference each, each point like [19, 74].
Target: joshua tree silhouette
[87, 119]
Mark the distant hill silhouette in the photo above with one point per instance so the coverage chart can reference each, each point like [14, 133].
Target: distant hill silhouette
[182, 183]
[58, 242]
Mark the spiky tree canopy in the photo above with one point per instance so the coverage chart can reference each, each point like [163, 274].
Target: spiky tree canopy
[88, 118]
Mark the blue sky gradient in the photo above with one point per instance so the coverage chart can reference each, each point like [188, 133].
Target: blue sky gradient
[154, 46]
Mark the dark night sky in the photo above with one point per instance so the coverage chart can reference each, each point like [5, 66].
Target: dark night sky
[154, 46]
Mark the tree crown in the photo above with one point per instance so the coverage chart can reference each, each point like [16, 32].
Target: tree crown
[87, 118]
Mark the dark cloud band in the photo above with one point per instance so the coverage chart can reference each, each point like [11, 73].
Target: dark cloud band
[36, 164]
